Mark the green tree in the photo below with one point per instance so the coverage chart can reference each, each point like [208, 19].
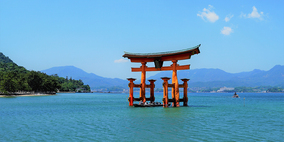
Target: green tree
[8, 82]
[275, 89]
[35, 80]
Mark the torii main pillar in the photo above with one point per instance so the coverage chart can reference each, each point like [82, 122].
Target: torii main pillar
[143, 80]
[175, 90]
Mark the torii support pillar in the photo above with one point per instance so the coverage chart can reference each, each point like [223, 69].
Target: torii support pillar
[152, 86]
[165, 85]
[185, 99]
[131, 85]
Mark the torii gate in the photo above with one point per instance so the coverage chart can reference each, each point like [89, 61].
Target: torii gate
[158, 59]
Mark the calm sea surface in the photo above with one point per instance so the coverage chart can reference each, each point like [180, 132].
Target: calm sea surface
[107, 117]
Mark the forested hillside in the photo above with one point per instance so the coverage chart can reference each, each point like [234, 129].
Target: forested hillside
[14, 78]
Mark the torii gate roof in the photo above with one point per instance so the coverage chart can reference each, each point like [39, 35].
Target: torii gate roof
[163, 56]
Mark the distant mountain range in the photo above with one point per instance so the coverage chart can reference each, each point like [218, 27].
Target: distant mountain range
[220, 78]
[198, 77]
[93, 80]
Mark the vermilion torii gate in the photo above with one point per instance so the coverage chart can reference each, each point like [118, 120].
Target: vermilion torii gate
[158, 59]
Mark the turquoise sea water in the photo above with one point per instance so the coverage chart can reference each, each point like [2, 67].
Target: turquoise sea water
[107, 117]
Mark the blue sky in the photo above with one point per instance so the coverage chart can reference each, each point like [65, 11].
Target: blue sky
[235, 36]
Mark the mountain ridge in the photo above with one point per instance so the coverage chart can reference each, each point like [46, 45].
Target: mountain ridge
[198, 77]
[5, 59]
[92, 79]
[272, 77]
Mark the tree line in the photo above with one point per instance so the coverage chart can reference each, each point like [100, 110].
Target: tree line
[71, 84]
[14, 78]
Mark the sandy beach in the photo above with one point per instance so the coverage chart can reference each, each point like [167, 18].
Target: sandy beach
[24, 95]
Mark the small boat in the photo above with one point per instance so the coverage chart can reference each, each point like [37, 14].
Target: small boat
[236, 95]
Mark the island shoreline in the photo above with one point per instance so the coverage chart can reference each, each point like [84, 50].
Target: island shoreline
[27, 94]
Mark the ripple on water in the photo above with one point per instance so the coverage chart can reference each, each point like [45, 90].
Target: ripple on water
[107, 117]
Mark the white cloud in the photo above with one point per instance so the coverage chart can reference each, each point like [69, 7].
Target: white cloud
[226, 31]
[253, 14]
[211, 16]
[120, 60]
[229, 17]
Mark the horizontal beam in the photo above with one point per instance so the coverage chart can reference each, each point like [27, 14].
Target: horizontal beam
[137, 99]
[182, 56]
[148, 99]
[171, 100]
[140, 99]
[137, 85]
[171, 85]
[140, 60]
[168, 68]
[147, 86]
[179, 100]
